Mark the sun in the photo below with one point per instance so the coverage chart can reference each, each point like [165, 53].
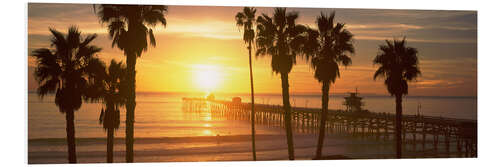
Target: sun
[207, 78]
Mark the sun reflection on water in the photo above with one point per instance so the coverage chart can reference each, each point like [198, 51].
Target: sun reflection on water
[206, 117]
[207, 132]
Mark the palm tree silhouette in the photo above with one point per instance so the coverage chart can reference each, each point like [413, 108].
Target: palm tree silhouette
[129, 26]
[398, 65]
[246, 19]
[280, 38]
[327, 47]
[64, 71]
[108, 86]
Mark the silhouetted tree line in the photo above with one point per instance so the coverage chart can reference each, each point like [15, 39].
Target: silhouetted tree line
[326, 49]
[71, 69]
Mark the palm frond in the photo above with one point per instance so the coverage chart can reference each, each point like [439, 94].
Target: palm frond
[63, 70]
[152, 39]
[281, 38]
[73, 37]
[58, 41]
[88, 39]
[154, 14]
[398, 64]
[239, 19]
[329, 47]
[118, 17]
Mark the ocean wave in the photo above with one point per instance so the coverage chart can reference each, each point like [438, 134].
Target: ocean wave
[150, 140]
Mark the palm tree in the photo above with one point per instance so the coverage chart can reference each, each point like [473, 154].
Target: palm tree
[108, 86]
[281, 38]
[327, 48]
[246, 19]
[129, 26]
[398, 64]
[63, 71]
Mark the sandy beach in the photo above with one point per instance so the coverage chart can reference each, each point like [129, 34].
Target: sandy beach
[208, 148]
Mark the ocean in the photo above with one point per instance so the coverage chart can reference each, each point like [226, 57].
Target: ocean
[164, 132]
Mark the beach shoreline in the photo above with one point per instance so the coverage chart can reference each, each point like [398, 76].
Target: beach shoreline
[166, 133]
[214, 148]
[187, 149]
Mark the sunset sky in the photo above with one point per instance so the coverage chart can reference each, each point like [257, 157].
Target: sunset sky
[203, 45]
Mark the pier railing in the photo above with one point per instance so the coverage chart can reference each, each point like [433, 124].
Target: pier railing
[439, 136]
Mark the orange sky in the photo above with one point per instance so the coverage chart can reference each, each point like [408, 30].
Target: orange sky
[204, 41]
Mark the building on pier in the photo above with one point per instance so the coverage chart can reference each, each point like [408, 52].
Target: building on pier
[236, 100]
[211, 96]
[353, 102]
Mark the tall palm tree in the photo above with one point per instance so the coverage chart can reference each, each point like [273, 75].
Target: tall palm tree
[108, 86]
[63, 70]
[328, 47]
[246, 20]
[281, 38]
[129, 26]
[398, 64]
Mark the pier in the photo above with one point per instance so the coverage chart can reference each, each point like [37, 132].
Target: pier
[425, 136]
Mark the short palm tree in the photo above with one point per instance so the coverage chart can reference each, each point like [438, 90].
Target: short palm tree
[246, 20]
[280, 37]
[327, 48]
[398, 64]
[63, 70]
[108, 86]
[129, 26]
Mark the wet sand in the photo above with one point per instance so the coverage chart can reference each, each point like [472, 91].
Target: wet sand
[208, 148]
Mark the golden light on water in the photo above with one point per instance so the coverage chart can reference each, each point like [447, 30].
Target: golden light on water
[206, 117]
[207, 132]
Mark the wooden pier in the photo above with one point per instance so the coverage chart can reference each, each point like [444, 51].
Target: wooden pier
[430, 136]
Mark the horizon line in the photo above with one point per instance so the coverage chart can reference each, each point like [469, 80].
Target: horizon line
[291, 94]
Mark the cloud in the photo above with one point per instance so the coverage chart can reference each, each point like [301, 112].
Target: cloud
[414, 33]
[446, 41]
[383, 26]
[199, 28]
[410, 39]
[41, 16]
[215, 22]
[437, 83]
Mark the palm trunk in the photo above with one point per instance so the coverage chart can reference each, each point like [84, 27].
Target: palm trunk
[70, 136]
[111, 136]
[253, 101]
[324, 112]
[288, 114]
[399, 111]
[130, 106]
